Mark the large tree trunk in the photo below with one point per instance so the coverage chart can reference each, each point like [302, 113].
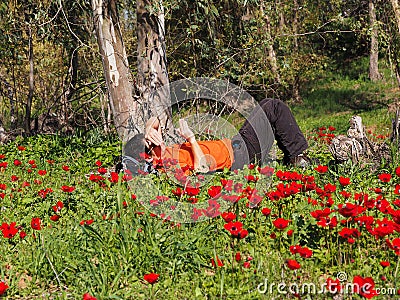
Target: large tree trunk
[296, 82]
[152, 63]
[373, 57]
[270, 47]
[396, 9]
[28, 106]
[127, 114]
[70, 83]
[10, 96]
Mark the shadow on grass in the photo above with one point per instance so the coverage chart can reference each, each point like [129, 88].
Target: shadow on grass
[330, 100]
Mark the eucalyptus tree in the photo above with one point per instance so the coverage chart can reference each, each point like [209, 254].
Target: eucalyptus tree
[394, 37]
[374, 74]
[38, 79]
[133, 102]
[20, 20]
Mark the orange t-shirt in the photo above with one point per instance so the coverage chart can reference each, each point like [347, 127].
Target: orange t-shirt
[219, 154]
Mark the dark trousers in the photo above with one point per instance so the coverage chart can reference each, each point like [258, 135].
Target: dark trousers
[271, 119]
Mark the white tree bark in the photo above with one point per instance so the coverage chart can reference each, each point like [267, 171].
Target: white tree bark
[271, 51]
[374, 50]
[396, 9]
[127, 113]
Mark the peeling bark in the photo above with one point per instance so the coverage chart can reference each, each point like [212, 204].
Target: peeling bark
[152, 64]
[127, 114]
[396, 9]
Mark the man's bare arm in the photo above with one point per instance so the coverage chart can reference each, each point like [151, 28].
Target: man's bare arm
[199, 163]
[153, 132]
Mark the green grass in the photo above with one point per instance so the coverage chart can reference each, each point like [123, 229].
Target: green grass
[339, 94]
[109, 257]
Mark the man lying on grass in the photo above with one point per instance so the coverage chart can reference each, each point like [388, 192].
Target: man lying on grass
[271, 119]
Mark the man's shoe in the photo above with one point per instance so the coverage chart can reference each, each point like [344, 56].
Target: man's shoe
[303, 161]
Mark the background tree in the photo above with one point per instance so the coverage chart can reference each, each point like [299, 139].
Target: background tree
[270, 48]
[374, 74]
[152, 62]
[115, 64]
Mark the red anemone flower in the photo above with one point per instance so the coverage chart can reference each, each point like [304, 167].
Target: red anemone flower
[251, 178]
[42, 172]
[178, 192]
[350, 210]
[385, 264]
[234, 227]
[333, 286]
[238, 256]
[385, 177]
[266, 211]
[394, 245]
[58, 206]
[67, 189]
[344, 180]
[9, 231]
[242, 234]
[212, 209]
[214, 191]
[228, 216]
[321, 169]
[364, 286]
[87, 296]
[281, 223]
[305, 252]
[347, 233]
[268, 171]
[293, 264]
[55, 218]
[219, 263]
[3, 287]
[102, 170]
[36, 223]
[114, 177]
[197, 213]
[151, 278]
[192, 191]
[318, 214]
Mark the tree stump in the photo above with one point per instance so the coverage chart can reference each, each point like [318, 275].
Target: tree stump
[356, 146]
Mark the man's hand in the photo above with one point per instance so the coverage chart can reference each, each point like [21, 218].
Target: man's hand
[185, 131]
[153, 132]
[200, 161]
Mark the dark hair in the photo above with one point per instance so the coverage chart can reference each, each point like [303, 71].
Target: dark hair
[131, 159]
[135, 146]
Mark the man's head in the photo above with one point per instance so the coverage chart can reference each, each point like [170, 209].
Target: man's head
[133, 152]
[135, 146]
